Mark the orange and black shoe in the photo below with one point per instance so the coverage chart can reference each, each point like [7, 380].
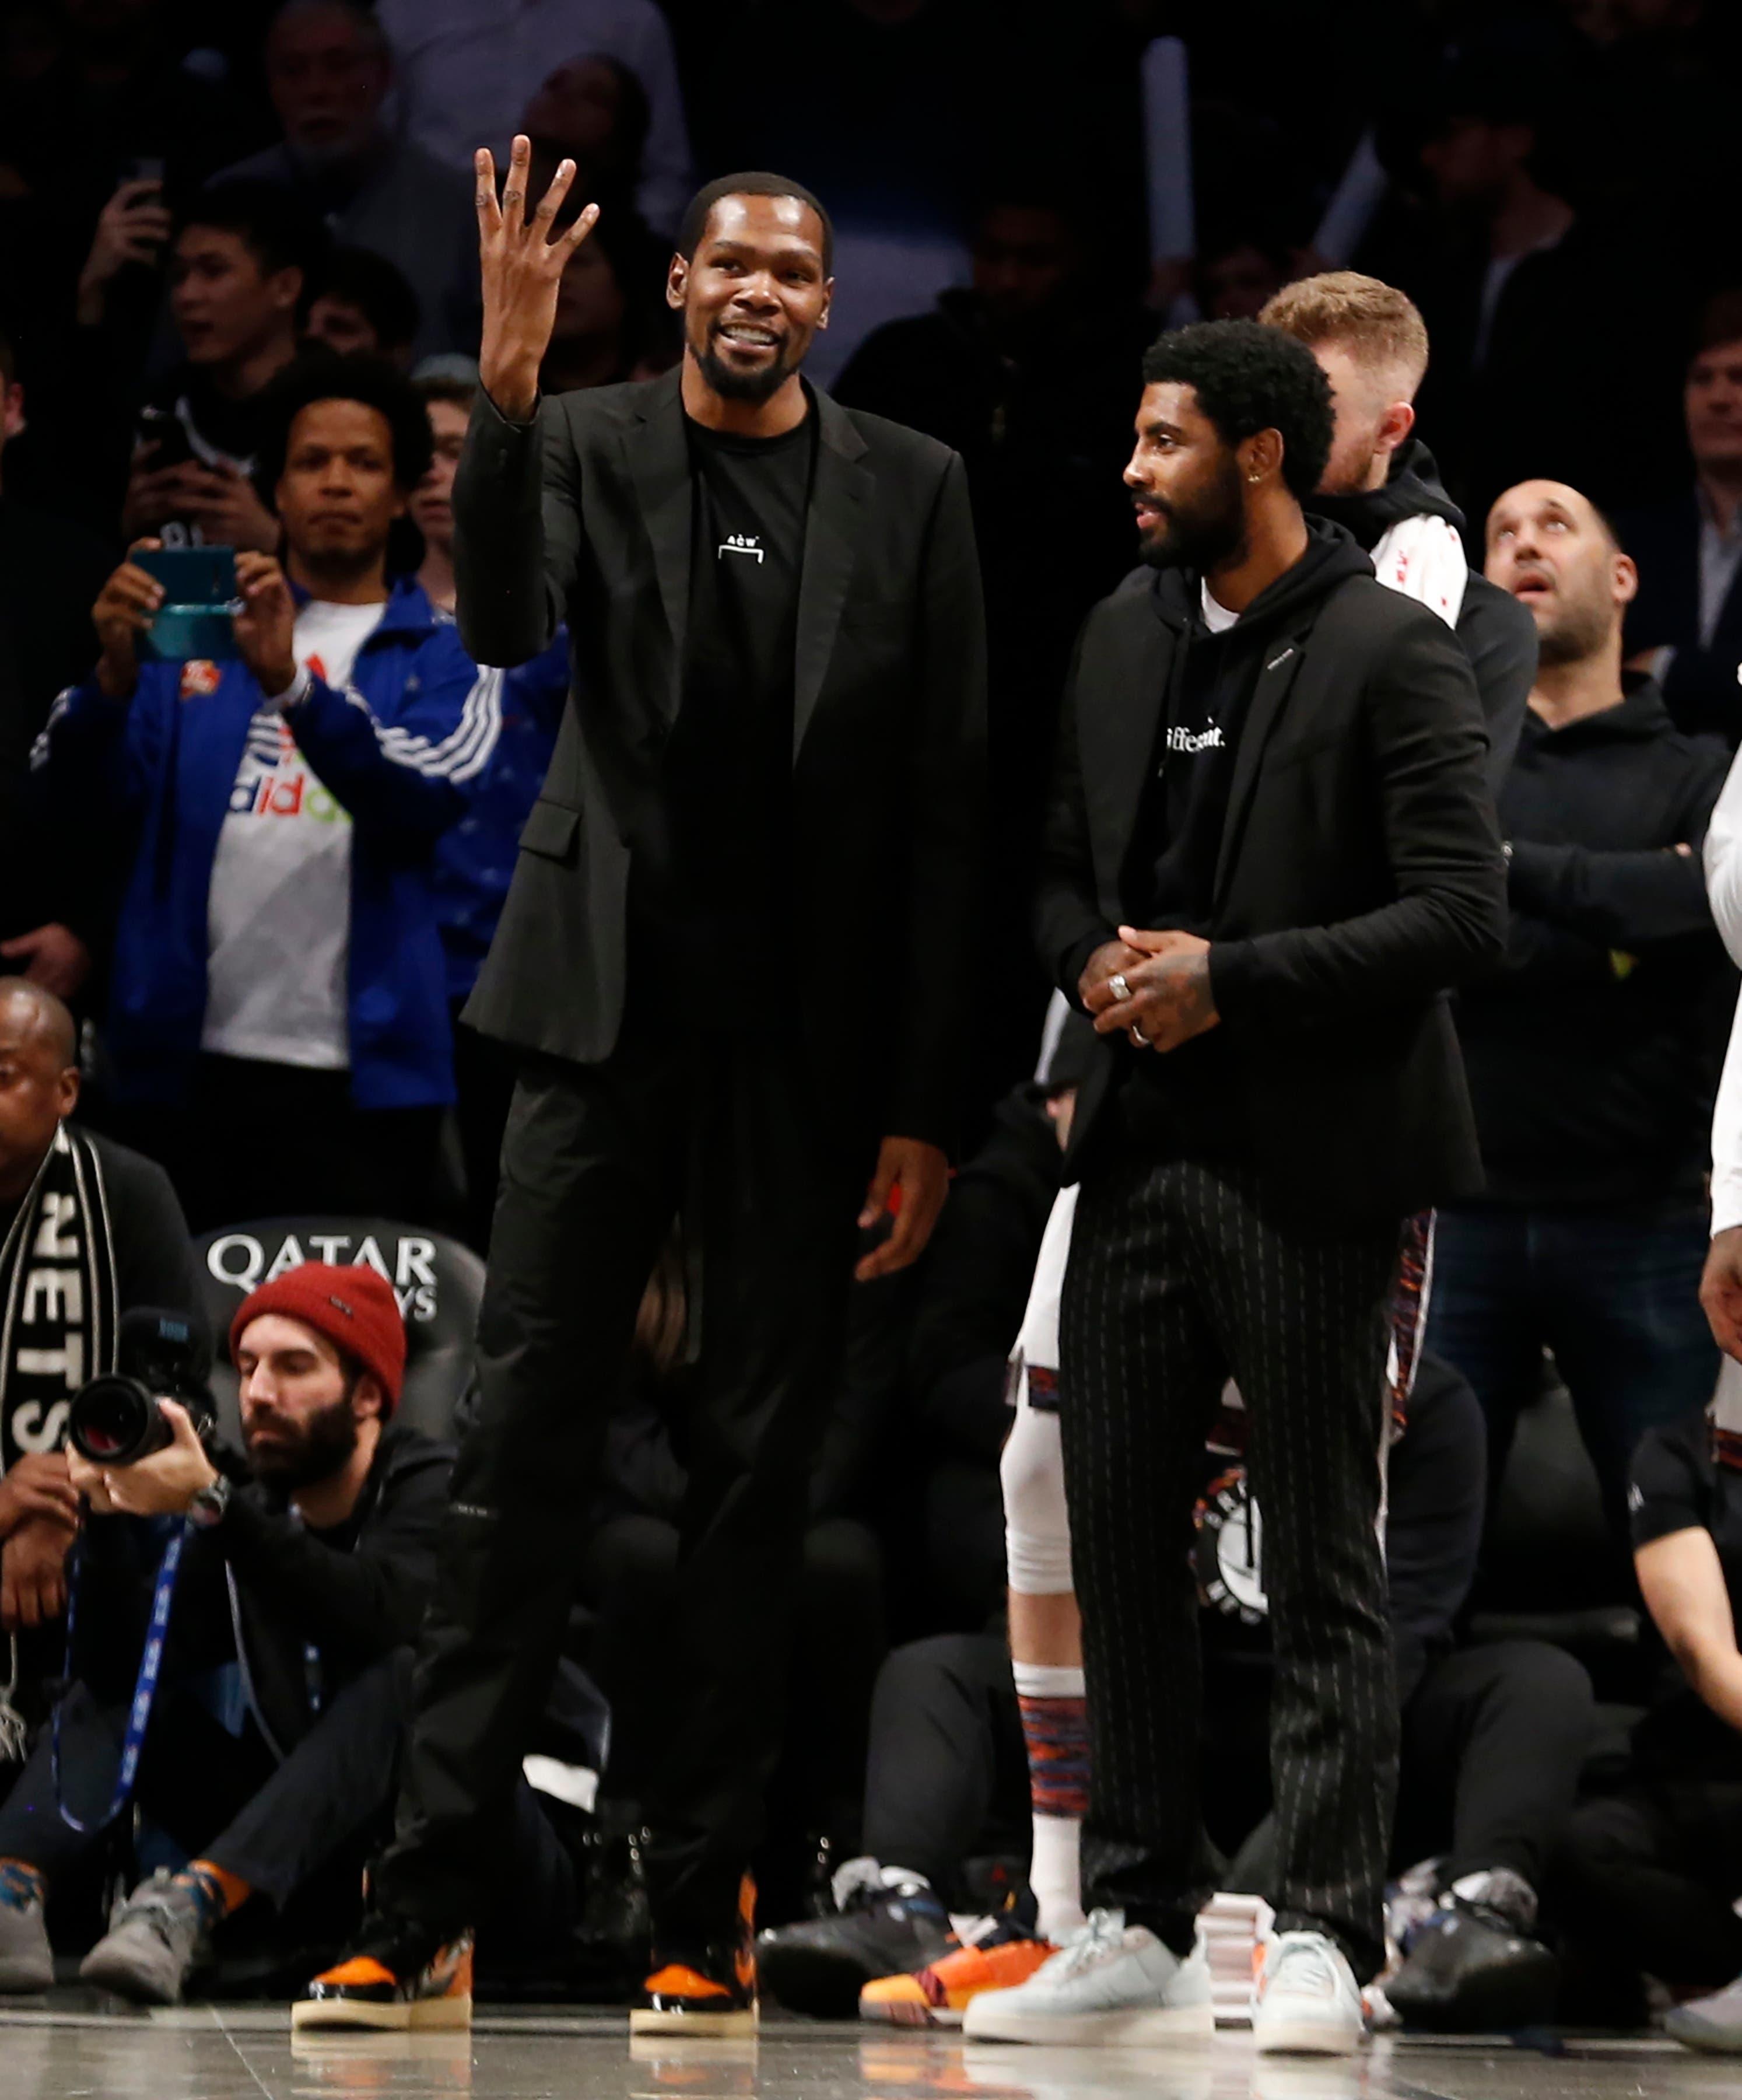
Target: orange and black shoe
[1003, 1953]
[709, 1990]
[398, 1976]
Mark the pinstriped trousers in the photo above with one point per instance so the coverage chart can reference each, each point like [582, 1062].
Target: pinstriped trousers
[1177, 1281]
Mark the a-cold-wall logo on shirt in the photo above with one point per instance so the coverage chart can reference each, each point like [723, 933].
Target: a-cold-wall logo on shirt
[741, 543]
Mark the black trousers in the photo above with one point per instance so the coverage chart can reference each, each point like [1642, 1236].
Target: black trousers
[223, 1797]
[946, 1773]
[633, 1577]
[1178, 1281]
[597, 1163]
[262, 1141]
[1647, 1880]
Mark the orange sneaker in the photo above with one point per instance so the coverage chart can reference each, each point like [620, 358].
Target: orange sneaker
[397, 1977]
[708, 1991]
[1006, 1954]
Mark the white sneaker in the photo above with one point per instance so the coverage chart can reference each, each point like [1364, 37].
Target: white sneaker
[1110, 1982]
[1307, 2002]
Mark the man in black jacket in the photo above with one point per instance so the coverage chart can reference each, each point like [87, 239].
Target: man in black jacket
[1593, 1055]
[89, 1231]
[737, 959]
[274, 1732]
[1685, 625]
[1270, 851]
[1381, 482]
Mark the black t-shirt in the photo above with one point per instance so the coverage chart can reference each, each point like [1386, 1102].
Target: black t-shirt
[1679, 1485]
[185, 415]
[1186, 1103]
[721, 884]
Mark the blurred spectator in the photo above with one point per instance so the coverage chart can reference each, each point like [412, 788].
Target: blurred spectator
[328, 71]
[239, 273]
[1382, 485]
[1686, 625]
[359, 303]
[51, 569]
[612, 323]
[275, 1731]
[1027, 373]
[88, 1231]
[593, 111]
[466, 75]
[1652, 1872]
[1234, 277]
[1593, 1056]
[475, 859]
[279, 1017]
[1517, 283]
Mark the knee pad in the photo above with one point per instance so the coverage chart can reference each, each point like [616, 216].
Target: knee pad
[1037, 1525]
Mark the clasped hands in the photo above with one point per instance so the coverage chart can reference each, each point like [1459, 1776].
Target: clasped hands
[1164, 978]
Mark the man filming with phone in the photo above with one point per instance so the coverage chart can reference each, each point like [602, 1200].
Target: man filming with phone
[278, 1013]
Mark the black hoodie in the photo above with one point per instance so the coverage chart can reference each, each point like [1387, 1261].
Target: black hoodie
[1499, 637]
[1593, 1056]
[1186, 1101]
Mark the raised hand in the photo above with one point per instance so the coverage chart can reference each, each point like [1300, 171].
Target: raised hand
[522, 268]
[125, 607]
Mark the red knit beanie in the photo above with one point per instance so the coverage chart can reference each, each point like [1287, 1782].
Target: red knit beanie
[354, 1308]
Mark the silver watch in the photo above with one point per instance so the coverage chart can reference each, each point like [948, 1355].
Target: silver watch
[209, 1503]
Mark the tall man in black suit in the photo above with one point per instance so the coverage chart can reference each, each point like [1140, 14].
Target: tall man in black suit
[736, 958]
[1271, 850]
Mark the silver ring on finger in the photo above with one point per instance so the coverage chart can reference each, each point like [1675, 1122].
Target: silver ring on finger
[1139, 1038]
[1117, 985]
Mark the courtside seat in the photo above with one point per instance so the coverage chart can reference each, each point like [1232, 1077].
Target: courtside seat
[439, 1283]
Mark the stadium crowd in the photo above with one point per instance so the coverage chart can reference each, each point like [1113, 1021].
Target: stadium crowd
[248, 882]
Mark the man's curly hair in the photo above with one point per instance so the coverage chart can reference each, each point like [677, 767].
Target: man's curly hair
[1249, 379]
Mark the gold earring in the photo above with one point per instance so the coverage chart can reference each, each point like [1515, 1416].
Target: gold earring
[1254, 477]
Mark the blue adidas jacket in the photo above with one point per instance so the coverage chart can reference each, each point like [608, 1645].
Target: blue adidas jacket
[400, 749]
[475, 860]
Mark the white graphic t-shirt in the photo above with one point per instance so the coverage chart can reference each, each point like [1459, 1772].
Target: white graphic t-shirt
[278, 920]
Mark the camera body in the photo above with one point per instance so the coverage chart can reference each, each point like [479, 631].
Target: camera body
[116, 1419]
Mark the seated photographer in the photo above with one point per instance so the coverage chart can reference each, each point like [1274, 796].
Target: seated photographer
[278, 1019]
[269, 1755]
[88, 1229]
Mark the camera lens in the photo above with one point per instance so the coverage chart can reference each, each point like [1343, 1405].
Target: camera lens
[113, 1422]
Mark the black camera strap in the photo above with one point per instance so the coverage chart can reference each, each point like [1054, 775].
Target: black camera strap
[145, 1689]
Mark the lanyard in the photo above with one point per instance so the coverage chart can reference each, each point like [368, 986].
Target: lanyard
[144, 1690]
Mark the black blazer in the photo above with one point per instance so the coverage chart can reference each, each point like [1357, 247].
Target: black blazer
[586, 517]
[1700, 686]
[1359, 876]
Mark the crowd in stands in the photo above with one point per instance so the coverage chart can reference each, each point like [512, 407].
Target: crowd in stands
[245, 891]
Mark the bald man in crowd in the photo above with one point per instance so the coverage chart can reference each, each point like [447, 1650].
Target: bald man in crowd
[1593, 1055]
[88, 1229]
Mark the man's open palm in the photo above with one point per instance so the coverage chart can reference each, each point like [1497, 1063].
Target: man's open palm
[522, 268]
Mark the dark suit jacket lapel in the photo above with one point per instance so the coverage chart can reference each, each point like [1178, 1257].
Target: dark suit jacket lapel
[1282, 661]
[838, 492]
[1119, 743]
[659, 456]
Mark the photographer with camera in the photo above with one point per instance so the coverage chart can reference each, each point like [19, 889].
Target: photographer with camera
[88, 1230]
[278, 1013]
[268, 1758]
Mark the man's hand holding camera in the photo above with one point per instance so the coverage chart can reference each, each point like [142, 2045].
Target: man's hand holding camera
[162, 1483]
[125, 607]
[1154, 987]
[265, 627]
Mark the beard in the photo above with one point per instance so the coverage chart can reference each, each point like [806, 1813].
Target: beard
[754, 387]
[1574, 633]
[1202, 534]
[322, 1447]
